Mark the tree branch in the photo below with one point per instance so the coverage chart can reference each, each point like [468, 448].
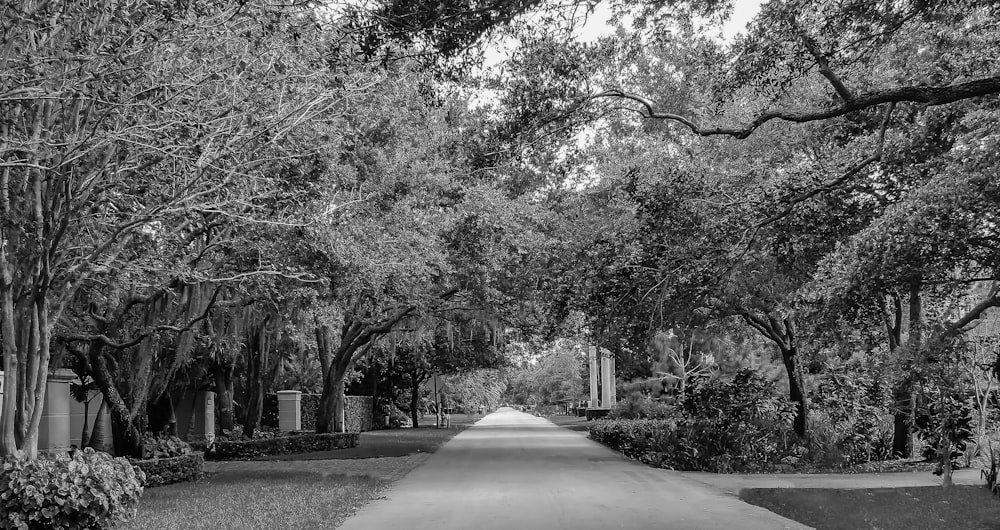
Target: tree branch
[928, 95]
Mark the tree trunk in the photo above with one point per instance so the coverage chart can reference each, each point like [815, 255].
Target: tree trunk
[223, 376]
[127, 439]
[903, 417]
[330, 413]
[85, 433]
[796, 392]
[339, 400]
[415, 399]
[254, 395]
[98, 437]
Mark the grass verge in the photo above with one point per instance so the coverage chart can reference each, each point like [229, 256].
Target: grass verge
[275, 500]
[391, 443]
[965, 507]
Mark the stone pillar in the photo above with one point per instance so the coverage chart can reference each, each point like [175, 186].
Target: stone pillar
[593, 377]
[606, 382]
[612, 378]
[53, 432]
[289, 410]
[204, 417]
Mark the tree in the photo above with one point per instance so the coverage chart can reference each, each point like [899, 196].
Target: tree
[122, 117]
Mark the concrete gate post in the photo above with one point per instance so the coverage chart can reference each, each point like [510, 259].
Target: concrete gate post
[53, 432]
[289, 410]
[593, 377]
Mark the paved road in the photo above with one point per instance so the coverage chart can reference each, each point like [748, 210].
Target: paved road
[513, 471]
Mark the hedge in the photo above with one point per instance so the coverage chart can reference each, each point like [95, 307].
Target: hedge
[160, 471]
[282, 445]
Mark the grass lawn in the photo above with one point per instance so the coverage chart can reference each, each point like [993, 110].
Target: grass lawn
[573, 423]
[261, 499]
[963, 507]
[286, 499]
[393, 442]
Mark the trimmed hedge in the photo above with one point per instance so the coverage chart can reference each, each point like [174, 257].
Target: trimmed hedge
[160, 471]
[282, 445]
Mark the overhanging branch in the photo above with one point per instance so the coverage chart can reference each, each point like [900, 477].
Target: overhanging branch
[928, 95]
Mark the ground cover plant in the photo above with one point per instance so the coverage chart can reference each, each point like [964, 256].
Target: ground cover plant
[261, 499]
[965, 507]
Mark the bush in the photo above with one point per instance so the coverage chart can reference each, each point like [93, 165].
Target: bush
[87, 489]
[851, 420]
[722, 426]
[640, 406]
[280, 445]
[158, 446]
[160, 471]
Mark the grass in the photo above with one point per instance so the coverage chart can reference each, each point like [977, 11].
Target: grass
[573, 423]
[261, 499]
[393, 442]
[285, 499]
[965, 507]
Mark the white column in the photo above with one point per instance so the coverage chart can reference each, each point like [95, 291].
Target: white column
[204, 417]
[289, 410]
[607, 383]
[614, 389]
[53, 431]
[593, 377]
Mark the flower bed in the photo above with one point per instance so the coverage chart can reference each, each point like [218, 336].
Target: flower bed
[282, 445]
[183, 468]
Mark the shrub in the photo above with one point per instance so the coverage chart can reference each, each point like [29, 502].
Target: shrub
[158, 446]
[851, 419]
[87, 489]
[722, 426]
[640, 406]
[160, 471]
[280, 445]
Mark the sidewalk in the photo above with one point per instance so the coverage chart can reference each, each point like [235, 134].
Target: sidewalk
[736, 482]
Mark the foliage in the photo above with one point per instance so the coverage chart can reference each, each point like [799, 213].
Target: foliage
[637, 405]
[280, 445]
[161, 471]
[946, 426]
[721, 426]
[158, 446]
[852, 420]
[86, 489]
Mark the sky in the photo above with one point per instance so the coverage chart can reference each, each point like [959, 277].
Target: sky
[597, 26]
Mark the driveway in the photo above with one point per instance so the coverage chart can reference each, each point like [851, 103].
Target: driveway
[514, 471]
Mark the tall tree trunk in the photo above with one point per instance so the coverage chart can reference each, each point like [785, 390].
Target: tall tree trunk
[85, 432]
[127, 438]
[330, 413]
[223, 376]
[796, 391]
[415, 398]
[339, 400]
[99, 437]
[254, 394]
[905, 414]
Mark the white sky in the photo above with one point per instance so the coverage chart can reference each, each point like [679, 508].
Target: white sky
[597, 26]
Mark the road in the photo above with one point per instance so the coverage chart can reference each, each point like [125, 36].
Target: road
[514, 471]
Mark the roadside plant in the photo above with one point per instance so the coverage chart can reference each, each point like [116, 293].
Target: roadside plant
[85, 489]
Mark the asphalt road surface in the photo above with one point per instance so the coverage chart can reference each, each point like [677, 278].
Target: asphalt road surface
[514, 471]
